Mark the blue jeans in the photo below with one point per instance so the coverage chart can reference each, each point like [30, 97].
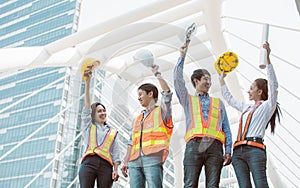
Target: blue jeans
[146, 168]
[198, 154]
[246, 159]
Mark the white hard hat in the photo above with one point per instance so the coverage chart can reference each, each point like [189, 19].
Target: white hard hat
[144, 56]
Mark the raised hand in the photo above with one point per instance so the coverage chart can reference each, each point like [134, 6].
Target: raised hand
[154, 68]
[221, 78]
[183, 49]
[88, 75]
[267, 47]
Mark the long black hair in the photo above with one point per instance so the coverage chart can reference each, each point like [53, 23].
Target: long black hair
[262, 84]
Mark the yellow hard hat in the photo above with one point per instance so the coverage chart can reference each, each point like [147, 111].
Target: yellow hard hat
[227, 62]
[88, 65]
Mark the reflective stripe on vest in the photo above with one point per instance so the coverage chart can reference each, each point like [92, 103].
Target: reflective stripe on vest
[242, 133]
[199, 127]
[104, 149]
[155, 135]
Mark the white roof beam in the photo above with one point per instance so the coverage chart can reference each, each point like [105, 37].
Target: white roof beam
[112, 24]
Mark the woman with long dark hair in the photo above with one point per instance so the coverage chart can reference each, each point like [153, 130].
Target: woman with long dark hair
[249, 153]
[101, 148]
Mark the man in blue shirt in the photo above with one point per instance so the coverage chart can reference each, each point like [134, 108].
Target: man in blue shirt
[207, 127]
[148, 145]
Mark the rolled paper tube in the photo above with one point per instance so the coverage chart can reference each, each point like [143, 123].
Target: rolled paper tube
[263, 51]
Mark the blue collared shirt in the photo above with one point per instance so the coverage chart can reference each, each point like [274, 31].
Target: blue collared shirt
[183, 96]
[101, 133]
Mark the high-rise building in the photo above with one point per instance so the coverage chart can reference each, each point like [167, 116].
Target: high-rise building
[33, 115]
[40, 109]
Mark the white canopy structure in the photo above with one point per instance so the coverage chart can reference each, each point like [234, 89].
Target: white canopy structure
[159, 26]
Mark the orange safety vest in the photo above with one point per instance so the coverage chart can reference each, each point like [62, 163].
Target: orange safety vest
[151, 135]
[104, 149]
[201, 128]
[242, 134]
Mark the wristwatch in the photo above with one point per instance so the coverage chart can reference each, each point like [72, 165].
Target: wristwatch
[157, 73]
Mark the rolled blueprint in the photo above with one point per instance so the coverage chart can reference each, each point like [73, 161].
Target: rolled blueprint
[263, 52]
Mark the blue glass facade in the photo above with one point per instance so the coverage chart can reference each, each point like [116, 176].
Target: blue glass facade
[38, 23]
[31, 99]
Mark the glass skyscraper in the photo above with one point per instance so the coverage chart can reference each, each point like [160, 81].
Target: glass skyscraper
[34, 124]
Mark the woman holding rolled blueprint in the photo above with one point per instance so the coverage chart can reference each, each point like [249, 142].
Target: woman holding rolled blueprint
[249, 153]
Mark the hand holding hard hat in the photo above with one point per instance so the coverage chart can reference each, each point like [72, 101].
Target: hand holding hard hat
[145, 57]
[88, 66]
[226, 63]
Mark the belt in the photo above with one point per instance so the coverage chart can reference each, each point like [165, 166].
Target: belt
[257, 143]
[199, 139]
[205, 139]
[255, 139]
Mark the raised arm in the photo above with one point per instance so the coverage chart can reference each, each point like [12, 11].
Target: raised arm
[87, 101]
[166, 95]
[179, 83]
[163, 84]
[86, 111]
[272, 81]
[228, 96]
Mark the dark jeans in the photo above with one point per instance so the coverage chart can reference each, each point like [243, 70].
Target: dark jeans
[198, 154]
[94, 167]
[246, 159]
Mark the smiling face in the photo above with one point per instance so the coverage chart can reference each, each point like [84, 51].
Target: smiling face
[144, 98]
[147, 95]
[201, 80]
[254, 92]
[202, 86]
[100, 115]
